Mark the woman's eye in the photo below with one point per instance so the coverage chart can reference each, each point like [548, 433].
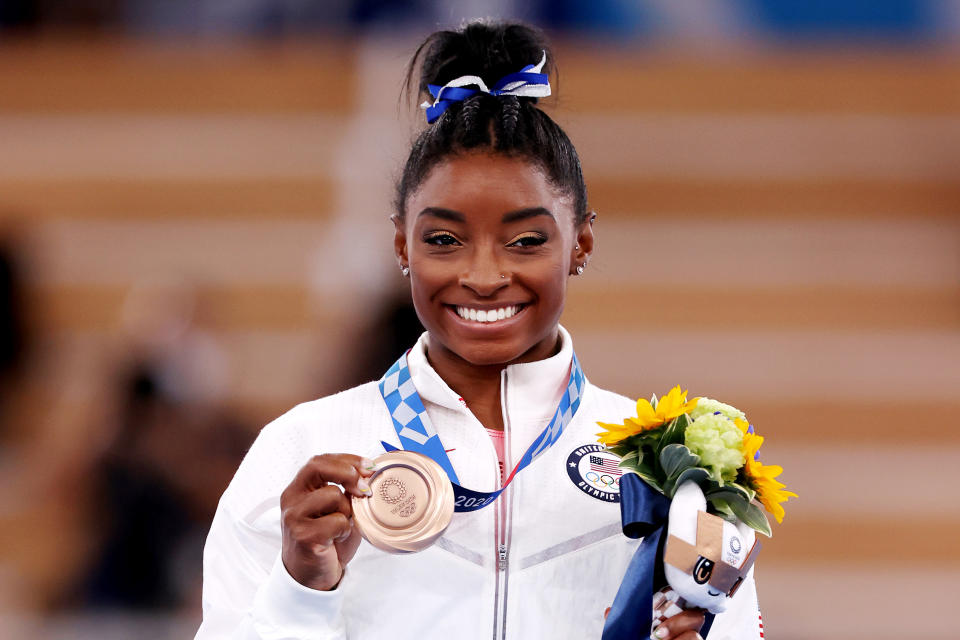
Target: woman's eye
[528, 240]
[440, 239]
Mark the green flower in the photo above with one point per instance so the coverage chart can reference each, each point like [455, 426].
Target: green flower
[709, 405]
[718, 442]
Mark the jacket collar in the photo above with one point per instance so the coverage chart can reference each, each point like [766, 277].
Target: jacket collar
[539, 384]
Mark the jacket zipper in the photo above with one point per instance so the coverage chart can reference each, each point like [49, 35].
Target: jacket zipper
[502, 527]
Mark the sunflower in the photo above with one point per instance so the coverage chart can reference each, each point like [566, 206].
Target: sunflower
[670, 406]
[763, 477]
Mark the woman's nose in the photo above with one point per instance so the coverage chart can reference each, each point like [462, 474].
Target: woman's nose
[484, 275]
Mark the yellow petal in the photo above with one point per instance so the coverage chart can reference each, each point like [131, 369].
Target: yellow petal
[645, 412]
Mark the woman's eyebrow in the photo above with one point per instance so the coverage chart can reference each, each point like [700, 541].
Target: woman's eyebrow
[523, 214]
[445, 214]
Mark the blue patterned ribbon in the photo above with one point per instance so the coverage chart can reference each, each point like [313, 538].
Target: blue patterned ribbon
[528, 82]
[643, 513]
[416, 431]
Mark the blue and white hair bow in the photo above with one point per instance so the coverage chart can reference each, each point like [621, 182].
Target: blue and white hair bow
[528, 82]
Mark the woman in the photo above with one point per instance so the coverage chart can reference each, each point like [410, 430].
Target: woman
[491, 220]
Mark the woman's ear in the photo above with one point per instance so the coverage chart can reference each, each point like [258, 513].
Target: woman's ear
[583, 247]
[400, 241]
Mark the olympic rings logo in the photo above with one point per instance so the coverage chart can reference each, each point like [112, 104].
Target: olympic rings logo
[605, 480]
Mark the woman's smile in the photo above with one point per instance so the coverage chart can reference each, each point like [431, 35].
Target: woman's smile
[487, 315]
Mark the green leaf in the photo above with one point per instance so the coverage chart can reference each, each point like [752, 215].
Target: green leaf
[646, 468]
[751, 515]
[722, 509]
[676, 458]
[622, 449]
[649, 439]
[641, 456]
[629, 456]
[746, 491]
[695, 474]
[674, 431]
[731, 488]
[650, 480]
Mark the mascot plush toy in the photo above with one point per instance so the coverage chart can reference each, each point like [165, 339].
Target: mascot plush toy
[706, 558]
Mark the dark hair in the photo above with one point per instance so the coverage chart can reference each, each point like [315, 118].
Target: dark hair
[509, 125]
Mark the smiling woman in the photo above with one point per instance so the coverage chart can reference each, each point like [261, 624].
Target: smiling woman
[490, 236]
[489, 247]
[491, 220]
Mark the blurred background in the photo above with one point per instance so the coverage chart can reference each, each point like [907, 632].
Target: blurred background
[194, 238]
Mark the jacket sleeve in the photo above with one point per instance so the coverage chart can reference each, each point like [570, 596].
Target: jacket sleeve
[741, 620]
[247, 592]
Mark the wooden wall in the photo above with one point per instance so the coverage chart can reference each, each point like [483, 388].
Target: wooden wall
[777, 229]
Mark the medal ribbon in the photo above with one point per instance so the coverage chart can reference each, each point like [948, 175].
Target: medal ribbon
[417, 434]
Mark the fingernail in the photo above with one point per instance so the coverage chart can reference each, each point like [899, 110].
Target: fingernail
[661, 633]
[364, 487]
[368, 464]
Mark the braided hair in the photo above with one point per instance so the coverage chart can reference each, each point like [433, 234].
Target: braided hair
[509, 125]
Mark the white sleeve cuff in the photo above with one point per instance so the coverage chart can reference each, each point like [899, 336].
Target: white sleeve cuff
[284, 609]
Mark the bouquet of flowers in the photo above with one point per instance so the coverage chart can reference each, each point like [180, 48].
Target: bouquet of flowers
[672, 440]
[692, 496]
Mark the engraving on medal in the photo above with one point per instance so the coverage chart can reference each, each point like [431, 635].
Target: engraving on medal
[392, 490]
[406, 508]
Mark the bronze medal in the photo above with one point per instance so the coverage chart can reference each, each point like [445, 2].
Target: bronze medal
[411, 505]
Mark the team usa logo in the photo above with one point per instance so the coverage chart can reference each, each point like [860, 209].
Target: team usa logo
[594, 470]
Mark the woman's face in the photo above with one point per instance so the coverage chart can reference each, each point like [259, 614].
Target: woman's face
[490, 244]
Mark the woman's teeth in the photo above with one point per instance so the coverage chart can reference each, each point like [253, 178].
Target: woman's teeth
[488, 315]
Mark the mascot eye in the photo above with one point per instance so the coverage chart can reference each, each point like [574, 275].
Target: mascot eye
[702, 570]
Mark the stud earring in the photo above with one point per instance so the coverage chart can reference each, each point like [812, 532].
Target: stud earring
[580, 270]
[405, 271]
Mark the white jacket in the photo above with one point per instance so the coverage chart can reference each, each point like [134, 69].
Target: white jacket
[545, 564]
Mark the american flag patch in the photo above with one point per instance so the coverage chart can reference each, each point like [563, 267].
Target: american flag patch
[605, 465]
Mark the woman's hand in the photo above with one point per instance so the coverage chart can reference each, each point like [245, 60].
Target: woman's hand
[683, 626]
[316, 521]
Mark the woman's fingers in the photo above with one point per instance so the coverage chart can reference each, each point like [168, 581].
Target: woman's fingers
[683, 626]
[347, 546]
[320, 534]
[349, 471]
[320, 502]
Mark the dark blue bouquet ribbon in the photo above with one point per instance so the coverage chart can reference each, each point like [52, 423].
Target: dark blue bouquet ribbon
[643, 513]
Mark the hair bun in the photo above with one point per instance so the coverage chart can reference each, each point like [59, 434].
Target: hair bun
[486, 49]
